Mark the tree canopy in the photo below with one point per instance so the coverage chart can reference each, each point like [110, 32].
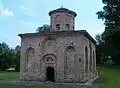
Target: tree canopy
[110, 14]
[111, 17]
[9, 57]
[45, 27]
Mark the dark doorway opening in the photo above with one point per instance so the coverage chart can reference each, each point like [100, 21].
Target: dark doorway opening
[50, 74]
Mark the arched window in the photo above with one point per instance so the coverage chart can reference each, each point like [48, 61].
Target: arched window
[86, 59]
[67, 26]
[70, 49]
[57, 26]
[94, 61]
[58, 15]
[91, 56]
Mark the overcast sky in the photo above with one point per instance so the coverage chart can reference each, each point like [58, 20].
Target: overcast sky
[23, 16]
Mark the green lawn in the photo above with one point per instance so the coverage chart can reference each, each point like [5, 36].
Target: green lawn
[15, 75]
[110, 77]
[32, 86]
[9, 75]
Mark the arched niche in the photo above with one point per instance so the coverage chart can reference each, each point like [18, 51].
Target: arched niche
[30, 53]
[29, 60]
[69, 61]
[49, 45]
[58, 15]
[90, 57]
[70, 49]
[67, 26]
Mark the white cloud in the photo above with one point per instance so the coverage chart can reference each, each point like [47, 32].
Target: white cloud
[27, 23]
[25, 8]
[28, 11]
[5, 11]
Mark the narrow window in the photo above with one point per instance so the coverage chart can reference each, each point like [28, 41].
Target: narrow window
[67, 26]
[58, 26]
[94, 63]
[86, 59]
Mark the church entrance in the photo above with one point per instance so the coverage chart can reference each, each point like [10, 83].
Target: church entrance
[50, 73]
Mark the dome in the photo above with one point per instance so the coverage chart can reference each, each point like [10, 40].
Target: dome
[62, 10]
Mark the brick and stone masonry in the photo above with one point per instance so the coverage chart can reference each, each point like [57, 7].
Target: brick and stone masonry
[60, 55]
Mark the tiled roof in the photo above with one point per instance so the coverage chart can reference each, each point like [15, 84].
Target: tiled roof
[62, 10]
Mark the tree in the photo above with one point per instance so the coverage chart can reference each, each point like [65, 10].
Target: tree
[18, 48]
[9, 57]
[17, 60]
[111, 16]
[99, 48]
[45, 27]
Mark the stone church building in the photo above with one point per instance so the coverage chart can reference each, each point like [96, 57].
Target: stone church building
[62, 54]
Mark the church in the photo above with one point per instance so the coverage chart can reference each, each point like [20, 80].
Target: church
[62, 54]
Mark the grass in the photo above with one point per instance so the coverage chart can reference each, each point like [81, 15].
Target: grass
[9, 75]
[15, 75]
[110, 76]
[32, 86]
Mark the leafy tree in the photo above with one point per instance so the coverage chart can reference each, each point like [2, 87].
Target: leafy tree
[5, 56]
[45, 27]
[99, 48]
[110, 13]
[17, 60]
[18, 48]
[9, 57]
[111, 16]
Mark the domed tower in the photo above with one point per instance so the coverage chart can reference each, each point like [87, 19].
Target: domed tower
[62, 19]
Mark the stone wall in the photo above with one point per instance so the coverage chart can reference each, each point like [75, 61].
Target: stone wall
[68, 66]
[91, 71]
[62, 19]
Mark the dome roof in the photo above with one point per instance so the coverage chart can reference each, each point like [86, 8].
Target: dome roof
[62, 10]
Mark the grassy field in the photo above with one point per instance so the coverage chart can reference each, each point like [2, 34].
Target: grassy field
[32, 86]
[15, 75]
[109, 75]
[9, 75]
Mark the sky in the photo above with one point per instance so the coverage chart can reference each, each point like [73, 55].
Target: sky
[25, 16]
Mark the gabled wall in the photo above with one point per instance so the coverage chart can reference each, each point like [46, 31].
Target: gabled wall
[64, 64]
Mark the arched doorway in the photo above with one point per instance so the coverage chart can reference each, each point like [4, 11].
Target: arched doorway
[49, 67]
[50, 73]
